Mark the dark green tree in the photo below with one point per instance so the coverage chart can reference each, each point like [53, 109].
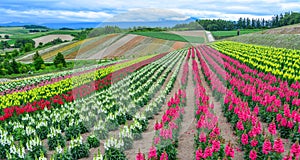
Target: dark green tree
[15, 66]
[59, 59]
[7, 67]
[37, 61]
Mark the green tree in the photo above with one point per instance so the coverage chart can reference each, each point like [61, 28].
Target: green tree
[59, 59]
[15, 53]
[28, 47]
[37, 61]
[6, 36]
[7, 67]
[15, 66]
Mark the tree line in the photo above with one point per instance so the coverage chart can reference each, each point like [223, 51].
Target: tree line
[287, 18]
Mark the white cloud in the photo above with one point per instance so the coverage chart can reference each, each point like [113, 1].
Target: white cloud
[60, 14]
[150, 14]
[91, 10]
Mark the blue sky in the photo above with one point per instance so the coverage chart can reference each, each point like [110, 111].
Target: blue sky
[49, 11]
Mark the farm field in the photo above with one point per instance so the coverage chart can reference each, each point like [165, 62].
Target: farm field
[109, 46]
[49, 38]
[283, 37]
[172, 36]
[222, 100]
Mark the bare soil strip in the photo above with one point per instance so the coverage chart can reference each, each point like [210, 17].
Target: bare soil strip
[178, 45]
[112, 47]
[226, 129]
[89, 47]
[127, 46]
[49, 38]
[186, 138]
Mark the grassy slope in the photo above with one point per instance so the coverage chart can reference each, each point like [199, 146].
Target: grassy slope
[19, 32]
[276, 40]
[290, 41]
[226, 34]
[170, 36]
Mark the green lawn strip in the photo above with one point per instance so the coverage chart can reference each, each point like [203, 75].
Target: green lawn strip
[171, 36]
[226, 34]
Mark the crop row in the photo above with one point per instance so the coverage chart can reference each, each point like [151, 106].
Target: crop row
[65, 123]
[283, 63]
[46, 92]
[247, 101]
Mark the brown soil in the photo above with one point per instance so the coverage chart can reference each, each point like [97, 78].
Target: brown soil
[89, 47]
[186, 138]
[226, 129]
[49, 38]
[112, 47]
[127, 46]
[178, 45]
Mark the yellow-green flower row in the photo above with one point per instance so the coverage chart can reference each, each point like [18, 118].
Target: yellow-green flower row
[44, 92]
[281, 62]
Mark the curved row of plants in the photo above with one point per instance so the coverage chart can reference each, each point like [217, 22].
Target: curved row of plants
[244, 111]
[281, 62]
[69, 88]
[65, 123]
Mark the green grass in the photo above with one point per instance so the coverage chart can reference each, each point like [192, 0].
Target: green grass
[289, 41]
[20, 32]
[170, 36]
[226, 34]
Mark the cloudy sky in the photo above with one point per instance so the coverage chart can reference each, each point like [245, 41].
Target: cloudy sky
[49, 11]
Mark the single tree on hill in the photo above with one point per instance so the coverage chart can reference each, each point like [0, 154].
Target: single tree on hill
[37, 61]
[59, 59]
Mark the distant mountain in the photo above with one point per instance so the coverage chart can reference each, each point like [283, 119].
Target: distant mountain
[82, 25]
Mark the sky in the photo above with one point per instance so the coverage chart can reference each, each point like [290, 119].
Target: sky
[52, 11]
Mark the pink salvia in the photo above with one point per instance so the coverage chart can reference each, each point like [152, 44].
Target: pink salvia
[152, 153]
[272, 128]
[253, 155]
[278, 146]
[267, 146]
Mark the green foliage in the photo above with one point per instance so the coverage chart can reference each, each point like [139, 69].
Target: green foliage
[112, 154]
[72, 131]
[53, 142]
[80, 151]
[226, 34]
[15, 66]
[34, 27]
[104, 30]
[37, 61]
[19, 43]
[215, 25]
[59, 59]
[93, 141]
[4, 44]
[189, 26]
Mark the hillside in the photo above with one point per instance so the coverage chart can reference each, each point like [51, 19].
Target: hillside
[291, 29]
[283, 37]
[109, 46]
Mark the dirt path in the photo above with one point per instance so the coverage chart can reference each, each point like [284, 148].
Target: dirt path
[210, 37]
[186, 138]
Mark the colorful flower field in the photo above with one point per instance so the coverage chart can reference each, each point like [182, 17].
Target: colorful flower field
[225, 100]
